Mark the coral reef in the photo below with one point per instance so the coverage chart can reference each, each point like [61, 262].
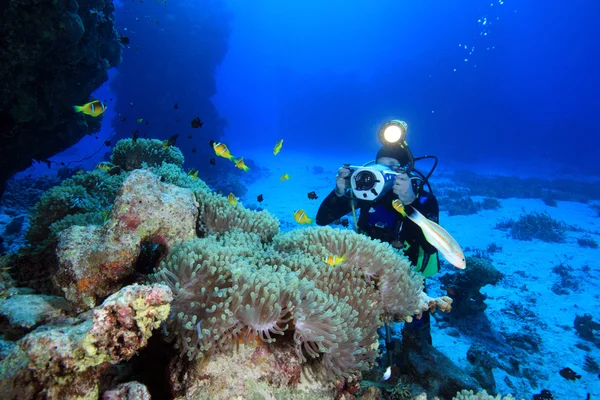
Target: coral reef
[53, 55]
[464, 287]
[535, 225]
[65, 361]
[95, 260]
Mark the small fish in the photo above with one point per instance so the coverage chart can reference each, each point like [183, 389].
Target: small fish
[239, 163]
[221, 150]
[301, 217]
[136, 135]
[212, 161]
[387, 374]
[545, 394]
[131, 103]
[232, 199]
[124, 40]
[147, 122]
[123, 118]
[80, 172]
[312, 196]
[193, 150]
[107, 142]
[196, 123]
[284, 177]
[260, 198]
[170, 141]
[139, 120]
[344, 222]
[569, 374]
[93, 108]
[104, 166]
[277, 147]
[437, 236]
[175, 106]
[106, 214]
[193, 173]
[334, 260]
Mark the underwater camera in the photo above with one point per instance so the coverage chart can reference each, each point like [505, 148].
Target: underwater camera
[370, 181]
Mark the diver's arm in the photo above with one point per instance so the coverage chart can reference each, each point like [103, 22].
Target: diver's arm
[333, 207]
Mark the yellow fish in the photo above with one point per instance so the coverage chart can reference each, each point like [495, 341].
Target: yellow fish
[239, 163]
[193, 173]
[104, 166]
[232, 199]
[277, 147]
[284, 177]
[93, 108]
[434, 234]
[301, 217]
[334, 260]
[222, 151]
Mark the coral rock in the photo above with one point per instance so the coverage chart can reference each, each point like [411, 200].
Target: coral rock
[66, 361]
[128, 391]
[94, 261]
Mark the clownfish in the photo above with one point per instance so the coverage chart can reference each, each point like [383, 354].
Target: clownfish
[239, 163]
[334, 260]
[232, 199]
[93, 108]
[222, 151]
[301, 217]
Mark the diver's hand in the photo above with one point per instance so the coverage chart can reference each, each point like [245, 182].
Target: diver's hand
[403, 189]
[342, 181]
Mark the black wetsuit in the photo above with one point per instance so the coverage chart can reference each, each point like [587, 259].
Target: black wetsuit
[379, 220]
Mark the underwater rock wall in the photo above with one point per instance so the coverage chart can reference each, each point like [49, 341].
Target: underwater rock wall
[53, 54]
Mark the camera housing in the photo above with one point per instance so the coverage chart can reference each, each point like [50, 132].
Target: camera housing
[370, 182]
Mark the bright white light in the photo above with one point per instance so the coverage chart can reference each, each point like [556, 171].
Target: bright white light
[392, 134]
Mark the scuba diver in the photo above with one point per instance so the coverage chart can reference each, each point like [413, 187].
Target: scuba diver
[373, 189]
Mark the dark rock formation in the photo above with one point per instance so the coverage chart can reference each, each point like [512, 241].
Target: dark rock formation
[53, 54]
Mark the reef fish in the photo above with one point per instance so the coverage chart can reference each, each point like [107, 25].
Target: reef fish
[93, 108]
[239, 163]
[434, 234]
[284, 178]
[221, 150]
[334, 260]
[301, 217]
[277, 147]
[232, 199]
[569, 374]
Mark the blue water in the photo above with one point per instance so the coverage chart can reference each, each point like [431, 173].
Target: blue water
[490, 86]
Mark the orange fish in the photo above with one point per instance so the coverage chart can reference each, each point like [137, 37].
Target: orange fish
[434, 234]
[222, 151]
[232, 199]
[334, 260]
[93, 108]
[301, 217]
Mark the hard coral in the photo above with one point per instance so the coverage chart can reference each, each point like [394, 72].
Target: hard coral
[66, 361]
[54, 54]
[94, 261]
